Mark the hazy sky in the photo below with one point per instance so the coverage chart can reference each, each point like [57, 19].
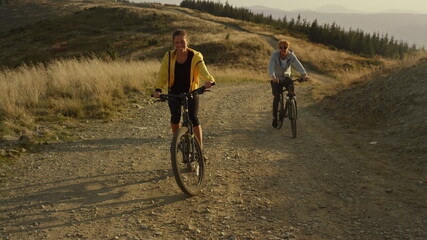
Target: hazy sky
[369, 6]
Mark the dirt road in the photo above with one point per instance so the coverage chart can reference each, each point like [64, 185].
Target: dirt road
[116, 181]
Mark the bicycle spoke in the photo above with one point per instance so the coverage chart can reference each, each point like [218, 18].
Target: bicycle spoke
[293, 117]
[282, 112]
[187, 162]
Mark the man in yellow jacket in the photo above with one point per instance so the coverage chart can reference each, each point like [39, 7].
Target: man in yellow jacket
[181, 70]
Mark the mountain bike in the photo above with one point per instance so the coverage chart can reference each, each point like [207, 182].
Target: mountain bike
[188, 164]
[288, 109]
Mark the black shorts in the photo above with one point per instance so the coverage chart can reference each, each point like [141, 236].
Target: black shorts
[277, 88]
[193, 110]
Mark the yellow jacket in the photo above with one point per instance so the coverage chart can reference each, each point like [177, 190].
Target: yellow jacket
[167, 68]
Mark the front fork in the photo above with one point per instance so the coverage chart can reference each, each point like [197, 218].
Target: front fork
[282, 107]
[288, 102]
[190, 137]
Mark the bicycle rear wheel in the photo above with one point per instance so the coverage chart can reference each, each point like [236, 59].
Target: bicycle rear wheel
[282, 112]
[292, 110]
[187, 162]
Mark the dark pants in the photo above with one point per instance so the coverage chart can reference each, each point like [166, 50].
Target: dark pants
[193, 110]
[276, 89]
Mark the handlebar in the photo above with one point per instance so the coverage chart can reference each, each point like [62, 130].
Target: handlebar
[200, 90]
[299, 80]
[293, 80]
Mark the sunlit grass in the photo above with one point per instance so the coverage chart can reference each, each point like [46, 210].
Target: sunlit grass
[74, 88]
[234, 75]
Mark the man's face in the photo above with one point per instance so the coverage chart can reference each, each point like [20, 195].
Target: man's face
[283, 47]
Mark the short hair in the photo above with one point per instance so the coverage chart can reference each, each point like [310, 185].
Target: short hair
[179, 32]
[282, 41]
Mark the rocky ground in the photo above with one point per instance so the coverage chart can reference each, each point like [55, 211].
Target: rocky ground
[116, 182]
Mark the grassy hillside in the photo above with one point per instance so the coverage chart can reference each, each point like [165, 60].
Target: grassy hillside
[20, 12]
[141, 31]
[124, 31]
[97, 30]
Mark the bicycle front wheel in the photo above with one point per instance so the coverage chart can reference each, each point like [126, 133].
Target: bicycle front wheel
[282, 112]
[293, 116]
[187, 162]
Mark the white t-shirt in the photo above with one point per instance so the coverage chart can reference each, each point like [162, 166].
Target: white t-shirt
[283, 62]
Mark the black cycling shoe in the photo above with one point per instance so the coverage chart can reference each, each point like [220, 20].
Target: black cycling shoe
[274, 123]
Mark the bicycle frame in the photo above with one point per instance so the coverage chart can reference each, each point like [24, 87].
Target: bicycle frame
[186, 122]
[186, 155]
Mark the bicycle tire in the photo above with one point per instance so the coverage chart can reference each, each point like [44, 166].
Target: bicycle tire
[282, 112]
[293, 116]
[187, 162]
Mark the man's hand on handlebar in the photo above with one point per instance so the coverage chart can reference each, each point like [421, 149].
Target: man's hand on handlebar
[305, 78]
[275, 80]
[156, 94]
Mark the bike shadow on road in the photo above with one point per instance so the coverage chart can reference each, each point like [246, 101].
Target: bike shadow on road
[64, 202]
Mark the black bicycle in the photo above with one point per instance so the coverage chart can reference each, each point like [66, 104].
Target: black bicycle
[188, 164]
[288, 109]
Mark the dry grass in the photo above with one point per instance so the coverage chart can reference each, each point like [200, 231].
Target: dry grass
[233, 75]
[76, 88]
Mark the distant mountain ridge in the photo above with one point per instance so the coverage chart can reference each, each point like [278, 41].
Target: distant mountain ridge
[411, 28]
[334, 8]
